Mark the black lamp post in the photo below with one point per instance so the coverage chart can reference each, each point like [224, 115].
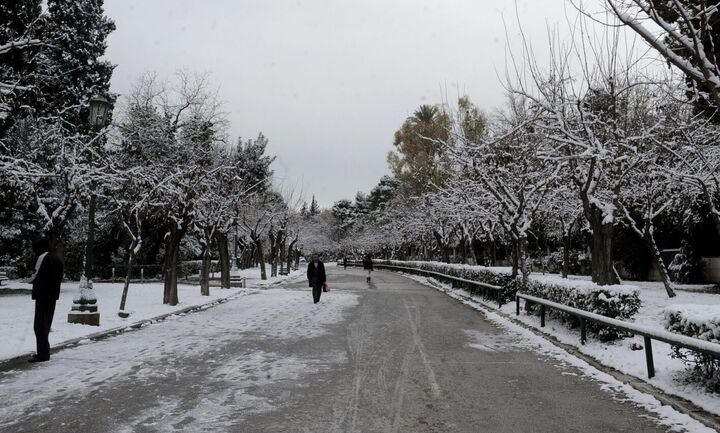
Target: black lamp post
[84, 309]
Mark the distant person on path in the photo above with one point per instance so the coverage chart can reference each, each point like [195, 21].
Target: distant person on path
[368, 266]
[316, 277]
[45, 291]
[344, 262]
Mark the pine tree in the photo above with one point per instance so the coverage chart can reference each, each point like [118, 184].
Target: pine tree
[255, 163]
[314, 208]
[77, 32]
[20, 25]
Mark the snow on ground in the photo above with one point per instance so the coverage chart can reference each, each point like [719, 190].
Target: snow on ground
[200, 348]
[616, 354]
[144, 302]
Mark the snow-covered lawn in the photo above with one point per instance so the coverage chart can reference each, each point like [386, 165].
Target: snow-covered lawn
[138, 366]
[144, 302]
[619, 354]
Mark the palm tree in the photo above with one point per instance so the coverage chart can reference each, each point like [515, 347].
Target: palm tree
[425, 114]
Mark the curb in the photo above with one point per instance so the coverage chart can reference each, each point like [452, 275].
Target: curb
[678, 403]
[21, 360]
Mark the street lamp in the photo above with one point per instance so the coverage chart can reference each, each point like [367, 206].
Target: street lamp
[100, 108]
[84, 309]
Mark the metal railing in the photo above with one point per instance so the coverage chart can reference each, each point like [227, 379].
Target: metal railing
[649, 334]
[487, 290]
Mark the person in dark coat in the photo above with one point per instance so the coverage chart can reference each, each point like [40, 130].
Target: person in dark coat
[45, 291]
[368, 266]
[316, 277]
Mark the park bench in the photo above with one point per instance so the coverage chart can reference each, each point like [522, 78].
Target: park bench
[284, 270]
[3, 277]
[237, 281]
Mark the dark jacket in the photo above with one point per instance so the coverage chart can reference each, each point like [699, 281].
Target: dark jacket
[46, 285]
[368, 264]
[314, 275]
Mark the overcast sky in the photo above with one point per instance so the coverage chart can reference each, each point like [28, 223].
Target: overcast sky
[328, 81]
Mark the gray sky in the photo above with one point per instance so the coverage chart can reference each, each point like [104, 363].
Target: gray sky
[328, 81]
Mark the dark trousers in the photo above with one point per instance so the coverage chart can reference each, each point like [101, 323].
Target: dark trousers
[317, 291]
[44, 312]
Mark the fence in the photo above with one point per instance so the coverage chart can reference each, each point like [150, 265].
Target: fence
[649, 334]
[475, 286]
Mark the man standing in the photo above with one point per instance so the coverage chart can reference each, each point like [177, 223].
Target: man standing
[45, 291]
[316, 277]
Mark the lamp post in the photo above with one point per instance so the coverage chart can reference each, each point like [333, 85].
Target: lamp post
[84, 309]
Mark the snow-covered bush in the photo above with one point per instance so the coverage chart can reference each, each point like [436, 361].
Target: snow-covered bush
[579, 263]
[697, 321]
[495, 276]
[191, 268]
[616, 301]
[687, 266]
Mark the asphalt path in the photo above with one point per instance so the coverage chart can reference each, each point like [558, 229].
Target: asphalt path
[392, 356]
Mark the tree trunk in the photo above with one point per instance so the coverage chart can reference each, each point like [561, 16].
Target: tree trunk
[205, 271]
[290, 254]
[525, 262]
[273, 253]
[515, 258]
[655, 251]
[222, 244]
[602, 245]
[566, 255]
[260, 258]
[128, 275]
[172, 250]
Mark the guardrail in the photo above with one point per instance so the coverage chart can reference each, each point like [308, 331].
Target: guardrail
[484, 288]
[649, 334]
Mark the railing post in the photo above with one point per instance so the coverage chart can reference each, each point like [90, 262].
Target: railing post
[649, 357]
[542, 315]
[583, 331]
[500, 298]
[142, 275]
[517, 305]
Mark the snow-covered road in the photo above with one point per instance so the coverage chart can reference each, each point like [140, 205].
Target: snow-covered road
[395, 356]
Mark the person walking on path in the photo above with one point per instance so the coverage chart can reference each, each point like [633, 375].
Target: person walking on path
[316, 277]
[368, 266]
[45, 291]
[345, 263]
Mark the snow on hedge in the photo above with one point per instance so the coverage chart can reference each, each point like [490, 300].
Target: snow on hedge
[616, 301]
[698, 321]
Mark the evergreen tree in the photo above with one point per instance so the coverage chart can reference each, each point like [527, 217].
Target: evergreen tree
[77, 32]
[255, 163]
[382, 193]
[418, 159]
[314, 208]
[20, 31]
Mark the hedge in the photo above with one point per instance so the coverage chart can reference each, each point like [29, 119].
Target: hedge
[616, 301]
[702, 322]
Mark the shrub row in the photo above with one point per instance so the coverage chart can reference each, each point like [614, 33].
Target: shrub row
[616, 301]
[702, 322]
